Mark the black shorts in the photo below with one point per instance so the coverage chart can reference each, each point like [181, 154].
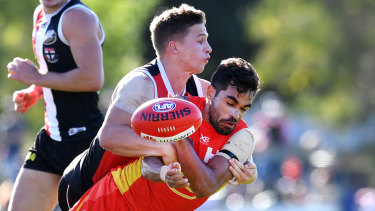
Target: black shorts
[53, 156]
[67, 196]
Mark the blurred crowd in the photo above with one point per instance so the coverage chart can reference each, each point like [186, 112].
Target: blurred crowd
[300, 165]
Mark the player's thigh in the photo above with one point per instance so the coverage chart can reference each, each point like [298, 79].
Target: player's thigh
[34, 190]
[103, 196]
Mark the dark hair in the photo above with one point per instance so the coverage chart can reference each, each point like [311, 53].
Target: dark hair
[236, 72]
[172, 24]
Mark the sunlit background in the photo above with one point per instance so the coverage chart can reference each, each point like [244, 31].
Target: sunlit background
[314, 121]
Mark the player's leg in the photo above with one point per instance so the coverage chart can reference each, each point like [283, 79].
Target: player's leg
[34, 190]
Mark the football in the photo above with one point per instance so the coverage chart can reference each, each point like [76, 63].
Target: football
[166, 119]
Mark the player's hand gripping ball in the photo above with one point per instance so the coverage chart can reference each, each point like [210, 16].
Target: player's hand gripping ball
[166, 119]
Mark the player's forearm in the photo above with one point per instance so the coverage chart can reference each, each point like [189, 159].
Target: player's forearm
[72, 81]
[202, 179]
[151, 167]
[122, 140]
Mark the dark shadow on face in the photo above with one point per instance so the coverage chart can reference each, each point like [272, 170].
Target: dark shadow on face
[214, 114]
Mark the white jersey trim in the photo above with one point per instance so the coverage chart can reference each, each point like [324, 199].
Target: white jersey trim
[50, 118]
[147, 73]
[166, 80]
[50, 115]
[198, 85]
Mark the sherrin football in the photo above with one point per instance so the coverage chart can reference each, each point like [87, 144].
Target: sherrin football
[166, 119]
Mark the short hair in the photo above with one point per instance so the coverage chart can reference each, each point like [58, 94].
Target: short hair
[173, 24]
[236, 72]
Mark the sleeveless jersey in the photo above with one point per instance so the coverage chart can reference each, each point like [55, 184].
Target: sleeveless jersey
[142, 194]
[96, 162]
[69, 116]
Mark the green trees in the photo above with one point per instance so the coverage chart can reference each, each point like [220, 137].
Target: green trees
[318, 55]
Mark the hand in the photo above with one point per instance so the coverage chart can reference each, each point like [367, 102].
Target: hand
[173, 177]
[26, 98]
[169, 153]
[23, 70]
[244, 174]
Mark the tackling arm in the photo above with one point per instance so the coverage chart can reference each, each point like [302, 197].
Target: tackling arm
[154, 170]
[116, 134]
[207, 179]
[204, 179]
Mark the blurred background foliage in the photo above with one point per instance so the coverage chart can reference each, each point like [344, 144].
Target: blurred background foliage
[318, 56]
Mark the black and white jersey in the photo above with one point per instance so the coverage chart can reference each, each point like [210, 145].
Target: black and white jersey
[68, 115]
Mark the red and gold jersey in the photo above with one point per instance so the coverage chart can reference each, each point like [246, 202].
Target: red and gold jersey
[139, 193]
[158, 196]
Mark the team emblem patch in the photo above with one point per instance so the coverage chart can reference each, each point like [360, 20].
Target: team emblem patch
[50, 55]
[50, 37]
[204, 139]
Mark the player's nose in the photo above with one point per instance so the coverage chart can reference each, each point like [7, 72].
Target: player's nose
[235, 113]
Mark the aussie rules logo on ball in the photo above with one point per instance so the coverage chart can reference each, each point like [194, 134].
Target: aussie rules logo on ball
[164, 111]
[164, 106]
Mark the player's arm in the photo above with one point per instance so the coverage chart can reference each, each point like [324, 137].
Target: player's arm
[25, 98]
[154, 170]
[116, 134]
[207, 179]
[81, 29]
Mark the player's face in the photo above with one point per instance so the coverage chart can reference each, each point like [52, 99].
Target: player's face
[51, 6]
[194, 50]
[227, 108]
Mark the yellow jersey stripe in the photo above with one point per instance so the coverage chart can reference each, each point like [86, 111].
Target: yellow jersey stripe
[182, 194]
[124, 177]
[79, 206]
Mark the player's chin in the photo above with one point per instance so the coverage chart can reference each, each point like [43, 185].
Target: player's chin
[201, 68]
[225, 130]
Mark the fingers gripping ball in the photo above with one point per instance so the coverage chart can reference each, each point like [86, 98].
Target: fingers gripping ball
[166, 119]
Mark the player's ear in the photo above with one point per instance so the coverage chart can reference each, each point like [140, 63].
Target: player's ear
[211, 91]
[172, 45]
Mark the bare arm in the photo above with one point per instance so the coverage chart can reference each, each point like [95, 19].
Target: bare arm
[117, 136]
[151, 167]
[207, 179]
[81, 30]
[204, 179]
[154, 170]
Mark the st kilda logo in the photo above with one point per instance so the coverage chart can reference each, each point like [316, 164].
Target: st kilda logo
[165, 110]
[50, 55]
[49, 52]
